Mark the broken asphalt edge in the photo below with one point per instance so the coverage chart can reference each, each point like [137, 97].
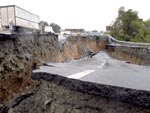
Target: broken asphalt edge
[126, 95]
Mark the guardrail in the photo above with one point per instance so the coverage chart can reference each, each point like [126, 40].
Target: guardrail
[113, 41]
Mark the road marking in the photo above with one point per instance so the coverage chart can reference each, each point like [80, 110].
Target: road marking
[102, 64]
[81, 74]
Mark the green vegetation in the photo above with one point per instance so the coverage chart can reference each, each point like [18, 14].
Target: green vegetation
[129, 27]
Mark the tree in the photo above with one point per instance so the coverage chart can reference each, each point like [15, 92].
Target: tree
[147, 30]
[56, 28]
[129, 27]
[42, 24]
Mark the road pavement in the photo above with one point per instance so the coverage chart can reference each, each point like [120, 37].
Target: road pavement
[103, 69]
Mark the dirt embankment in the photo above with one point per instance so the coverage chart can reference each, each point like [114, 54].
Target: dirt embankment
[18, 57]
[134, 55]
[57, 94]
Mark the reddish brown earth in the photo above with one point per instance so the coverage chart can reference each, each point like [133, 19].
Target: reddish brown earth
[23, 55]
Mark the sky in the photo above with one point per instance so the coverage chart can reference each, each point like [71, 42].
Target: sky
[86, 14]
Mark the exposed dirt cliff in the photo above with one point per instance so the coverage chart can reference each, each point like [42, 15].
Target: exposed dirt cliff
[18, 57]
[131, 54]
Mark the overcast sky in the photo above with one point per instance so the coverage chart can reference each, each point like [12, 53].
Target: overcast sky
[87, 14]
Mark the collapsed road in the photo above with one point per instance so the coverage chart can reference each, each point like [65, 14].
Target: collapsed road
[99, 84]
[104, 70]
[93, 84]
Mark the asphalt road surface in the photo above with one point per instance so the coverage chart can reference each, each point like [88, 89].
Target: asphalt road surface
[103, 69]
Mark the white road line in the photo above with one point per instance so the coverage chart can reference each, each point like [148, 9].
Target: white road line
[102, 64]
[81, 74]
